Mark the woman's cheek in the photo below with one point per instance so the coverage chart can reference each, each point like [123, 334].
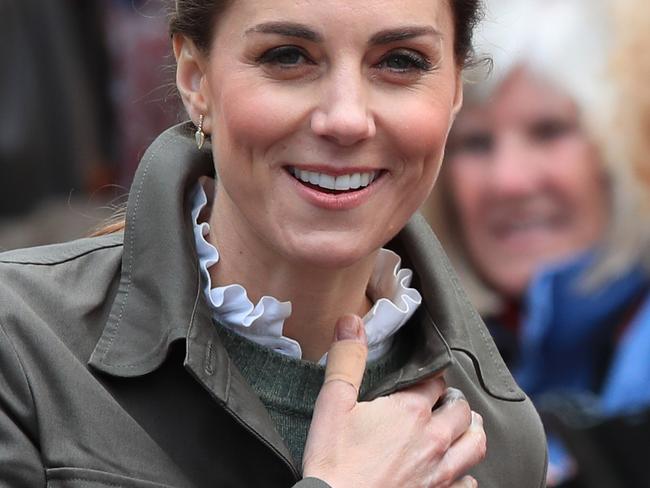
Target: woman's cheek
[259, 119]
[422, 130]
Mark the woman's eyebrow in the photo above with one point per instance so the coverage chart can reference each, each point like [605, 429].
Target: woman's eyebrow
[289, 29]
[403, 33]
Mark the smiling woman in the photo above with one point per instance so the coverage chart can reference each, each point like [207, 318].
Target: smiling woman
[225, 344]
[319, 97]
[541, 218]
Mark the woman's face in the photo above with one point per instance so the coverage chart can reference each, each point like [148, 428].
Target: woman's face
[525, 182]
[328, 120]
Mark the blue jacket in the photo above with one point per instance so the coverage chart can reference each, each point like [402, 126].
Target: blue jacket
[567, 333]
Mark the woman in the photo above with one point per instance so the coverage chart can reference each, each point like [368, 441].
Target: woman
[294, 105]
[537, 207]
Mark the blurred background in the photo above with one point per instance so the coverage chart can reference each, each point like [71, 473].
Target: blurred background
[542, 206]
[86, 85]
[542, 203]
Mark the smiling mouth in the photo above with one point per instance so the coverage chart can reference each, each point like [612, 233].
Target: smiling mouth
[334, 184]
[518, 228]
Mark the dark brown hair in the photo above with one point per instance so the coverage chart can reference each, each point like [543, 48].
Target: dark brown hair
[196, 20]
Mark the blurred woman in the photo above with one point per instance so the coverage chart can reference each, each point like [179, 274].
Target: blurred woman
[533, 207]
[301, 328]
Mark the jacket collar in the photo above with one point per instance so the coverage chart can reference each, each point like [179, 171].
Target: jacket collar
[159, 296]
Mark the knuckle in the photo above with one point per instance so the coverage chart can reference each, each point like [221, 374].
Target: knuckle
[440, 442]
[422, 414]
[416, 408]
[440, 383]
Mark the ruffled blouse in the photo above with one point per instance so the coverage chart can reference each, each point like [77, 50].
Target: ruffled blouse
[394, 301]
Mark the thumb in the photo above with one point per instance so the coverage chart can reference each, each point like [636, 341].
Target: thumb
[346, 361]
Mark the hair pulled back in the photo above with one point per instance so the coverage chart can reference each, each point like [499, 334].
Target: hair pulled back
[196, 19]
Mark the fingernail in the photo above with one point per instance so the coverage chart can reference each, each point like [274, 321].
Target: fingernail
[472, 483]
[477, 419]
[453, 395]
[348, 327]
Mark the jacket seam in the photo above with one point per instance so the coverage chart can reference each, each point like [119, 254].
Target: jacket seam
[479, 374]
[30, 389]
[196, 300]
[144, 361]
[131, 226]
[484, 337]
[62, 261]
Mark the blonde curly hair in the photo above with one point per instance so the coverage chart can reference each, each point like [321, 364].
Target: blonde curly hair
[631, 73]
[595, 51]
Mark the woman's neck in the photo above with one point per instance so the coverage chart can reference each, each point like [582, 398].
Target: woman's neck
[318, 296]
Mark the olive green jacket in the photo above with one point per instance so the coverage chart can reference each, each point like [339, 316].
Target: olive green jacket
[112, 373]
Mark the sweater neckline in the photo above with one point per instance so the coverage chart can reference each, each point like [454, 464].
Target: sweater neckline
[394, 301]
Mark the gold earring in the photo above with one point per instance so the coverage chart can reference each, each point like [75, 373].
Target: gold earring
[199, 135]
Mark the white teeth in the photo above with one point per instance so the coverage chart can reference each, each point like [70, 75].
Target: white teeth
[355, 181]
[342, 183]
[326, 181]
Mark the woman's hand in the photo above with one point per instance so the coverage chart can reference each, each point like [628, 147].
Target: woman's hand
[393, 441]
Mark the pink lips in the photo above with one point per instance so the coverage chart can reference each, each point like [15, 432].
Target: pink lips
[346, 200]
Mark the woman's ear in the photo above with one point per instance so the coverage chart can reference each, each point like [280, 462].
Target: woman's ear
[458, 96]
[191, 80]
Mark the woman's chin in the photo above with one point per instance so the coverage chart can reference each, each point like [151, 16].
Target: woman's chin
[330, 254]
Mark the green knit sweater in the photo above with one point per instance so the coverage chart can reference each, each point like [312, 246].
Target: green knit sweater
[288, 387]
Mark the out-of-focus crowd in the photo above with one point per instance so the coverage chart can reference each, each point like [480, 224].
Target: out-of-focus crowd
[543, 202]
[543, 206]
[85, 87]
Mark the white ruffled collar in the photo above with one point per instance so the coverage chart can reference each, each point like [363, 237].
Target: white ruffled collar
[394, 301]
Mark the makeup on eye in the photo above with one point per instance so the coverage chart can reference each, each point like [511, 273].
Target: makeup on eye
[287, 55]
[402, 60]
[405, 49]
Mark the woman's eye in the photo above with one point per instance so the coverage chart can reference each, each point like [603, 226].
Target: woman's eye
[478, 143]
[549, 130]
[286, 56]
[405, 60]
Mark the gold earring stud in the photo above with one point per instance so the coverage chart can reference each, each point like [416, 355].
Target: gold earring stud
[199, 135]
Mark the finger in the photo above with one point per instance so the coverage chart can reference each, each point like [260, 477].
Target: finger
[466, 452]
[452, 418]
[346, 361]
[466, 482]
[425, 393]
[450, 397]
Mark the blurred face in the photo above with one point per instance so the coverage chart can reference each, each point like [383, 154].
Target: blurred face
[329, 119]
[526, 183]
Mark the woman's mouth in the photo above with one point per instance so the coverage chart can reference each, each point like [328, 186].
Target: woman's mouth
[333, 184]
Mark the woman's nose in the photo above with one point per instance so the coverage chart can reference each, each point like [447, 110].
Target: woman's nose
[343, 115]
[515, 171]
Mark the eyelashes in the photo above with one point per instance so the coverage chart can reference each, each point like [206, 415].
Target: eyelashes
[287, 56]
[396, 61]
[403, 60]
